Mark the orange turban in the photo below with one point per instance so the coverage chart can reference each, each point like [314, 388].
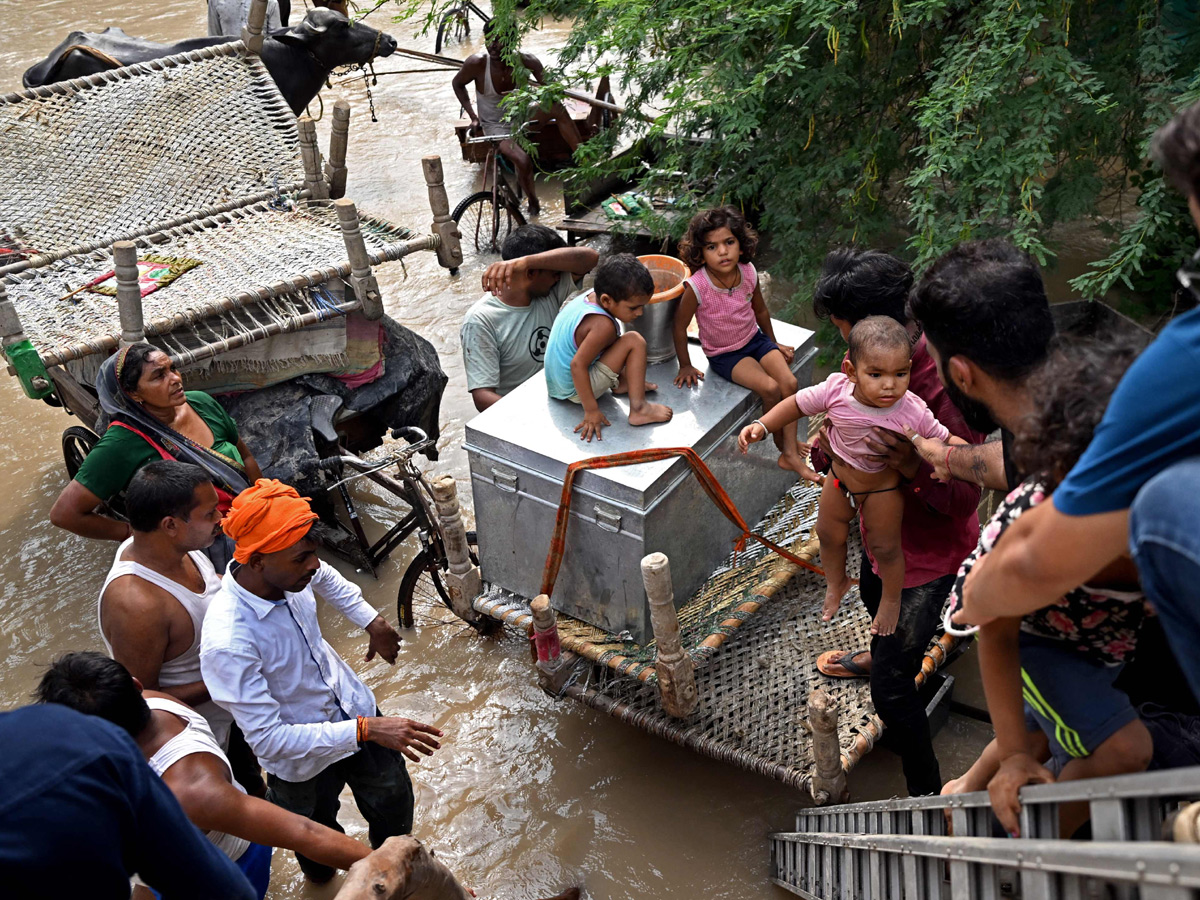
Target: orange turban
[266, 518]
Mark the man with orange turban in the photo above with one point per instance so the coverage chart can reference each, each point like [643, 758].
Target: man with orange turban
[311, 721]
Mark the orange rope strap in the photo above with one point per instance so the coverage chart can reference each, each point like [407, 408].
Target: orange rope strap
[708, 481]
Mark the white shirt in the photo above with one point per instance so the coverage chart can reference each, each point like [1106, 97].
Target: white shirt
[266, 662]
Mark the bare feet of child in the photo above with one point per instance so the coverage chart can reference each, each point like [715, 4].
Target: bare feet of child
[650, 413]
[835, 590]
[885, 619]
[798, 463]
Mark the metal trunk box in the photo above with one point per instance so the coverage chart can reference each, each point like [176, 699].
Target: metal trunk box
[519, 450]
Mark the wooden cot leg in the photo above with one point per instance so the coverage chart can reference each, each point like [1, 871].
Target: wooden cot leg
[829, 779]
[310, 155]
[366, 288]
[463, 580]
[129, 293]
[449, 252]
[339, 138]
[674, 668]
[252, 34]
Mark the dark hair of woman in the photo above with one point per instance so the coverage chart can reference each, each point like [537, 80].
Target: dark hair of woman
[131, 368]
[691, 248]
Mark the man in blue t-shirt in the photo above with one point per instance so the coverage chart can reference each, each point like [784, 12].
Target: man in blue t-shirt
[81, 806]
[1137, 487]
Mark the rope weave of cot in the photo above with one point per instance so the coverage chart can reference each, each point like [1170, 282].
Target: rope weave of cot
[708, 481]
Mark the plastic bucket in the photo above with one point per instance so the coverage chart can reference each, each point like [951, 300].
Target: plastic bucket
[658, 319]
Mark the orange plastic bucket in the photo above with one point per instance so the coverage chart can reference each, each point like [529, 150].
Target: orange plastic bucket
[669, 274]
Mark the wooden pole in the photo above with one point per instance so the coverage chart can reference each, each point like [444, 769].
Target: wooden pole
[252, 34]
[129, 293]
[311, 155]
[366, 288]
[463, 580]
[449, 252]
[339, 137]
[829, 778]
[676, 673]
[547, 648]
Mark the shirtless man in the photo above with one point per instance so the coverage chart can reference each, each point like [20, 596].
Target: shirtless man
[180, 748]
[153, 602]
[494, 79]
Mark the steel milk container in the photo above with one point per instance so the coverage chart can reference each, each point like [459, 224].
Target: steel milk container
[519, 450]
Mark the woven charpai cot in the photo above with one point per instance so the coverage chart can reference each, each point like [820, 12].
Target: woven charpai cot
[88, 162]
[754, 632]
[244, 255]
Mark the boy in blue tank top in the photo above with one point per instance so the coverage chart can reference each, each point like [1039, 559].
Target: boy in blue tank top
[587, 356]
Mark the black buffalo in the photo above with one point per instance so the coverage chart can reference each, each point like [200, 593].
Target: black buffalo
[299, 58]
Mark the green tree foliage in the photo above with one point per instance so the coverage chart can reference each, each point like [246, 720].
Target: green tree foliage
[910, 124]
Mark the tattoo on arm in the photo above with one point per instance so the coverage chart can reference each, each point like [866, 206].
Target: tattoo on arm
[971, 463]
[979, 468]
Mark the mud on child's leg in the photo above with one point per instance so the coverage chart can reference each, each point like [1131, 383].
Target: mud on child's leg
[882, 515]
[833, 527]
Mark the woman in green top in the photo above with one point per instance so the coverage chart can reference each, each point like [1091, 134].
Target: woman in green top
[151, 418]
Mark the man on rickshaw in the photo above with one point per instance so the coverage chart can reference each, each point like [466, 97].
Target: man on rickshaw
[494, 79]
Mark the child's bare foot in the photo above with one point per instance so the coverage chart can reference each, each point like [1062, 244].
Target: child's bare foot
[794, 462]
[650, 413]
[835, 590]
[885, 619]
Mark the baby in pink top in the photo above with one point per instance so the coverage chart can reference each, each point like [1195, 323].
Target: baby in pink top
[870, 392]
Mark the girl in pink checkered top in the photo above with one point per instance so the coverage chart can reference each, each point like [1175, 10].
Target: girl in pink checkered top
[735, 327]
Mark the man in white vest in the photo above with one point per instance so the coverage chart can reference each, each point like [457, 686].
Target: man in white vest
[152, 606]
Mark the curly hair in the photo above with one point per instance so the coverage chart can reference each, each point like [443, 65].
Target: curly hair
[691, 248]
[1072, 390]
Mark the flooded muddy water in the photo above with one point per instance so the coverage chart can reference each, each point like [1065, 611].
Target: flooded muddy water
[527, 795]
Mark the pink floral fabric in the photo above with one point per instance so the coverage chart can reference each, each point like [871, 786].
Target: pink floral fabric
[1100, 624]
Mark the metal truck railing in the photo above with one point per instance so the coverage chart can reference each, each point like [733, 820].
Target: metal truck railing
[934, 847]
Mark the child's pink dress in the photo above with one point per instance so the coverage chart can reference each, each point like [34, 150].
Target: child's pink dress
[853, 421]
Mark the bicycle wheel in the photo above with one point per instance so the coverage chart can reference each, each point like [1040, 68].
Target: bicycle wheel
[475, 217]
[77, 443]
[424, 584]
[455, 26]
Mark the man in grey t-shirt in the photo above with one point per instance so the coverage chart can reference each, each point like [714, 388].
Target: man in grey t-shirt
[504, 333]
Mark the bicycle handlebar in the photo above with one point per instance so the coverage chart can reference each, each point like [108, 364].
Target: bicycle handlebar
[417, 441]
[487, 138]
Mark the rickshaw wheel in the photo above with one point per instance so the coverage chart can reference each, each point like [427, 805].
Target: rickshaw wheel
[424, 584]
[77, 443]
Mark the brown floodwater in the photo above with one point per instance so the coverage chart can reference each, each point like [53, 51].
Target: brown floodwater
[527, 795]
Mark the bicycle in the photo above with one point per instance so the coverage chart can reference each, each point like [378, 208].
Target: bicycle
[488, 216]
[424, 579]
[456, 23]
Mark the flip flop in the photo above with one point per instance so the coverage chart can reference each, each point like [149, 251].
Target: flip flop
[830, 658]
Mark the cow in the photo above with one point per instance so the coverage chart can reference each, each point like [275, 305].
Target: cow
[299, 58]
